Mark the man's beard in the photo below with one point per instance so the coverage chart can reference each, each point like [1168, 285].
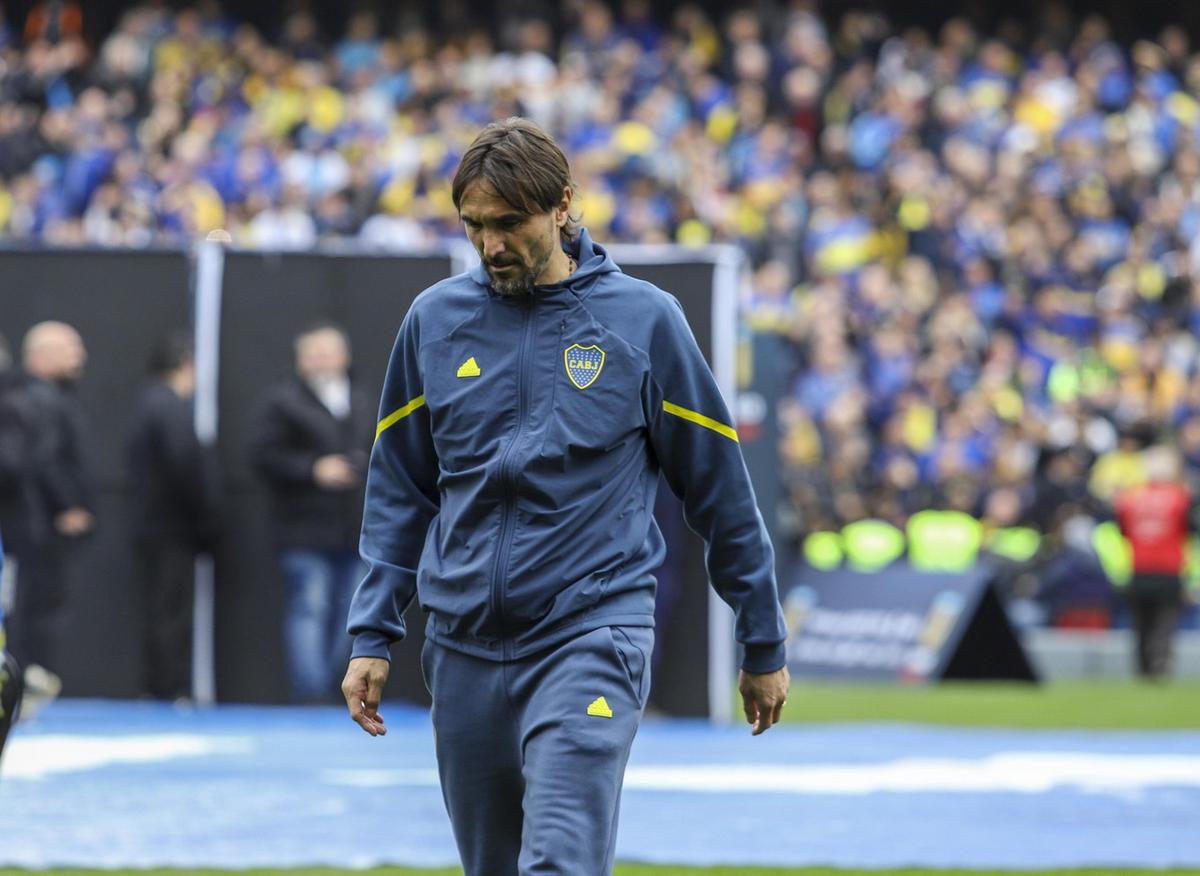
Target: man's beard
[521, 286]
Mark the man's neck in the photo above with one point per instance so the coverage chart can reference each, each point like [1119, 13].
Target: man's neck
[557, 269]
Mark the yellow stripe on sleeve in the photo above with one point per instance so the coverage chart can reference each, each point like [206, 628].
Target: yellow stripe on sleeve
[397, 415]
[701, 420]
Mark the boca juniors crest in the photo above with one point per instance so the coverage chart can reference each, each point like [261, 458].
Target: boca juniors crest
[583, 364]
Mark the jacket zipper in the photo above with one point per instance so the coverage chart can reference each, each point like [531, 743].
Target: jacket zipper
[508, 478]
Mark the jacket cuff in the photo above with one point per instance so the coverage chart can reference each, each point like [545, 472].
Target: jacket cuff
[371, 644]
[761, 659]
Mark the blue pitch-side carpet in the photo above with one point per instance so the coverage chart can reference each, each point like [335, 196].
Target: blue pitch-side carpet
[133, 785]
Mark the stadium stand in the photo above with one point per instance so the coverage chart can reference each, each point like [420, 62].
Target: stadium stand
[982, 247]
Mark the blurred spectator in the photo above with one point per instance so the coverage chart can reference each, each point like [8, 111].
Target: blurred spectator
[54, 22]
[21, 514]
[54, 354]
[174, 514]
[1070, 586]
[54, 358]
[1156, 517]
[311, 445]
[22, 519]
[11, 682]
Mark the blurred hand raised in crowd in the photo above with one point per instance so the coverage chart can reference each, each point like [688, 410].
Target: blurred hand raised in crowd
[334, 472]
[74, 522]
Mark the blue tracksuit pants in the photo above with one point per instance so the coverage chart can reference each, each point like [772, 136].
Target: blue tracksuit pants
[532, 752]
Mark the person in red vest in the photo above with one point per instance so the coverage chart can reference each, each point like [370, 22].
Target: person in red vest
[1155, 517]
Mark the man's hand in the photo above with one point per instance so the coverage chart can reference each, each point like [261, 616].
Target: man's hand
[74, 522]
[334, 472]
[763, 697]
[363, 687]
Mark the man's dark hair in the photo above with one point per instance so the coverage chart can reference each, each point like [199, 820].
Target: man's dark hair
[172, 352]
[523, 164]
[322, 325]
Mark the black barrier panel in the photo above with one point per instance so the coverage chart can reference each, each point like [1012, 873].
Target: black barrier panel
[902, 624]
[692, 284]
[122, 303]
[267, 299]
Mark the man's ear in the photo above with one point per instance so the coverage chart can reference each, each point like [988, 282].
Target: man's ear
[563, 210]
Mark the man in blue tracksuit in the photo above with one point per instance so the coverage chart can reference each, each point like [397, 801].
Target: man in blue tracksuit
[528, 410]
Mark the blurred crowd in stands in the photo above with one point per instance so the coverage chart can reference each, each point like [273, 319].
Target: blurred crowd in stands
[981, 249]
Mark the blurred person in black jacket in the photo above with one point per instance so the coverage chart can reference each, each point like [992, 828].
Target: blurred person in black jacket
[15, 482]
[22, 519]
[54, 358]
[57, 495]
[11, 682]
[174, 517]
[21, 515]
[311, 445]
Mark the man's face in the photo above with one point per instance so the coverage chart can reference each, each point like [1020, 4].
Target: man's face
[73, 357]
[322, 355]
[57, 354]
[515, 247]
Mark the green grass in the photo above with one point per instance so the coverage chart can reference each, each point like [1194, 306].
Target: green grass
[621, 870]
[1111, 705]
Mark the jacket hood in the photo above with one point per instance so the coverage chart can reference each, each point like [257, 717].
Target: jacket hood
[592, 259]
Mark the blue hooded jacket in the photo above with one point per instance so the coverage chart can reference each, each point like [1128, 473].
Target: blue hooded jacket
[512, 482]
